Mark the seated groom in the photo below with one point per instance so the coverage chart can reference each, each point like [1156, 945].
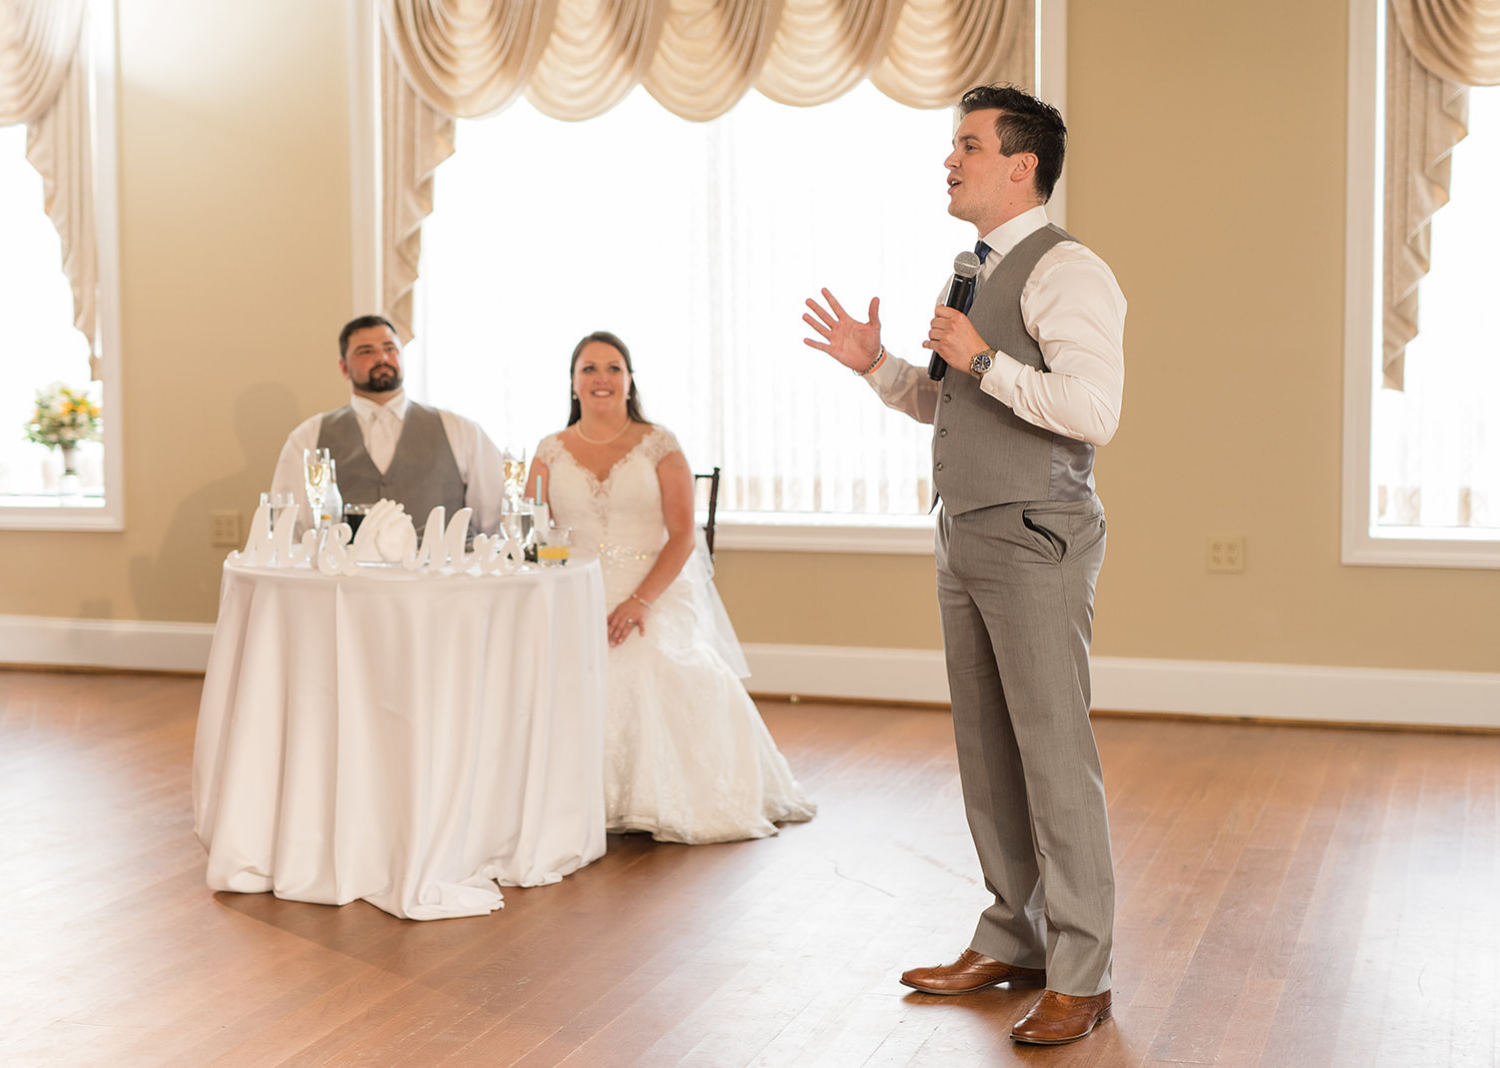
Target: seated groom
[387, 446]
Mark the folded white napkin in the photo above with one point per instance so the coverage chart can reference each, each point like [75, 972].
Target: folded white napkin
[386, 535]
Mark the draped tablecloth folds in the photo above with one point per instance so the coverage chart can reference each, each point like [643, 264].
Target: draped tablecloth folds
[402, 738]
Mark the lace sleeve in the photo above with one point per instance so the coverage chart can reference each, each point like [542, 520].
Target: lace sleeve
[658, 444]
[546, 449]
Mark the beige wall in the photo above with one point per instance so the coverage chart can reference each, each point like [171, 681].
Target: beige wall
[1207, 168]
[234, 235]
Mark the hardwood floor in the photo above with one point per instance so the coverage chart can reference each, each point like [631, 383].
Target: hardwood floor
[1287, 896]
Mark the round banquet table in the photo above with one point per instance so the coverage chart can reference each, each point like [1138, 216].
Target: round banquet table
[407, 739]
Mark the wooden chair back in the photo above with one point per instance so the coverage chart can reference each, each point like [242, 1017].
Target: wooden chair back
[713, 507]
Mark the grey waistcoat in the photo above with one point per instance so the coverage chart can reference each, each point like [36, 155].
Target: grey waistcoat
[983, 453]
[423, 473]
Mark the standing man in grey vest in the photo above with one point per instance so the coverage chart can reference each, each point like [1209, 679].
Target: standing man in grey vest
[387, 446]
[1034, 376]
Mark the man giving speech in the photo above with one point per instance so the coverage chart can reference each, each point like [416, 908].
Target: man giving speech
[1033, 384]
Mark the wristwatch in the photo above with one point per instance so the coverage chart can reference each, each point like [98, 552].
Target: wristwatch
[982, 362]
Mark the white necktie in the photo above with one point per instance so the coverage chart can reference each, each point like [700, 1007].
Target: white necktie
[383, 434]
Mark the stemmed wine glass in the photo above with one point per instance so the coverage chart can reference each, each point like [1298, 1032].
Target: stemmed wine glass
[513, 463]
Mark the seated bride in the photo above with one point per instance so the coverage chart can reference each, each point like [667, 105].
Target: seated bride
[686, 756]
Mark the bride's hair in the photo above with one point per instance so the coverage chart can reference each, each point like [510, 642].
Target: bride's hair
[632, 399]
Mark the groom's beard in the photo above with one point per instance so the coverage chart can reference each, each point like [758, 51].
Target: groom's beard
[382, 379]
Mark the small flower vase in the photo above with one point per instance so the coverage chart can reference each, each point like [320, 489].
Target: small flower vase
[70, 460]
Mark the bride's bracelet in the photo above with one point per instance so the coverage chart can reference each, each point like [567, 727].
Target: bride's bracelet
[637, 597]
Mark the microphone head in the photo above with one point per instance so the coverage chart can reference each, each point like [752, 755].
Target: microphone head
[966, 265]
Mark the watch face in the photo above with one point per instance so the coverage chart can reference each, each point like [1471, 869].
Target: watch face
[982, 363]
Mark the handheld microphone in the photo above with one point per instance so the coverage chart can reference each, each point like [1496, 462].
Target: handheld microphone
[960, 293]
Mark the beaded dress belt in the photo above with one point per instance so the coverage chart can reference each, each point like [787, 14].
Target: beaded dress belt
[621, 552]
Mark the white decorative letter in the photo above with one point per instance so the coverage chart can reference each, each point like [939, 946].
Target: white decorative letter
[259, 546]
[433, 551]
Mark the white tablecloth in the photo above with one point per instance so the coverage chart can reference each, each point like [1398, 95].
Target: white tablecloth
[401, 738]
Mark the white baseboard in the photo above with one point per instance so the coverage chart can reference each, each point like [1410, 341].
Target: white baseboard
[105, 643]
[846, 671]
[1190, 687]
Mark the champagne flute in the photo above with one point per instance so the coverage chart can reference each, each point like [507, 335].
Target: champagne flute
[513, 462]
[317, 467]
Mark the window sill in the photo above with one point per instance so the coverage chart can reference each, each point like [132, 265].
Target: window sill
[60, 519]
[57, 512]
[798, 532]
[1418, 547]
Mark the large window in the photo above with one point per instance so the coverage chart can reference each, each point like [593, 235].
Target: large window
[1436, 452]
[36, 306]
[45, 488]
[1422, 464]
[697, 243]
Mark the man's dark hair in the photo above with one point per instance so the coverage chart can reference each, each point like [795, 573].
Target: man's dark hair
[1026, 124]
[364, 322]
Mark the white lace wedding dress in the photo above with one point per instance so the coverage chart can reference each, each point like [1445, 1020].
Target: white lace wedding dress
[686, 756]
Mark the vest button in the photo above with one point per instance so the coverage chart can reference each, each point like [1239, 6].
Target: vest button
[943, 433]
[947, 397]
[938, 467]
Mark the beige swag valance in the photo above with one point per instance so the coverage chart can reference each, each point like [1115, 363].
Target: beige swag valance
[44, 84]
[575, 59]
[1435, 50]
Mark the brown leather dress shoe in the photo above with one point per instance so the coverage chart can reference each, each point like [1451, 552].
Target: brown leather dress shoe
[1058, 1018]
[972, 971]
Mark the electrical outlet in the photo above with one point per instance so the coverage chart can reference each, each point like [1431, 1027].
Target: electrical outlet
[224, 529]
[1226, 554]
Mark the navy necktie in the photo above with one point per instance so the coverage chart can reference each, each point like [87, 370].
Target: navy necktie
[981, 250]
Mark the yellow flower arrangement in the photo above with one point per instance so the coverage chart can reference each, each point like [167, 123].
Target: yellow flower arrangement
[63, 417]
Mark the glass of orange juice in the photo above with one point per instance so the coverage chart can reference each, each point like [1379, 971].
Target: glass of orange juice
[553, 545]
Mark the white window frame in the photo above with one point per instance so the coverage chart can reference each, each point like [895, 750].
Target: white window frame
[758, 531]
[111, 515]
[1365, 179]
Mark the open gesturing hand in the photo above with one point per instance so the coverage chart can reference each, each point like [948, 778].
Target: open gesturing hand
[849, 341]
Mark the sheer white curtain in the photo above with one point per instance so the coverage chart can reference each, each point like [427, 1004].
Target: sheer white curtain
[697, 243]
[1436, 454]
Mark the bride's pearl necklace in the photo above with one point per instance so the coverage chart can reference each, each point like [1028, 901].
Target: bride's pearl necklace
[578, 429]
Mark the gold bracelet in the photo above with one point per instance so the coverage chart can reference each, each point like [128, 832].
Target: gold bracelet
[878, 357]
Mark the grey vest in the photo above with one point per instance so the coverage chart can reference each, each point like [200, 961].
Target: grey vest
[423, 473]
[983, 454]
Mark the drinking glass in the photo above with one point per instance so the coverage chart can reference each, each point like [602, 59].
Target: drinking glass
[553, 545]
[354, 515]
[276, 504]
[317, 467]
[510, 523]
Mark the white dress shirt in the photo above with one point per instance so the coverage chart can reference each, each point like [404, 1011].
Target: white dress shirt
[1073, 306]
[380, 425]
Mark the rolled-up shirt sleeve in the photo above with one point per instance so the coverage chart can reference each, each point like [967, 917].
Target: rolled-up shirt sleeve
[905, 388]
[1073, 306]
